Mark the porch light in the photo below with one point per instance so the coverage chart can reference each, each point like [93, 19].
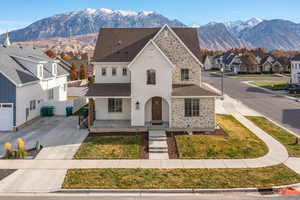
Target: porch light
[137, 105]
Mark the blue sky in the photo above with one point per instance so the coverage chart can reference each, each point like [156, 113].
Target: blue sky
[19, 13]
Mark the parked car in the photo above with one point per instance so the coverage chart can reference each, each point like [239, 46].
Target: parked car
[294, 88]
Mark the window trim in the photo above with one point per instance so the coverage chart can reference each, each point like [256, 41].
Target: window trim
[124, 71]
[103, 71]
[185, 74]
[32, 105]
[114, 71]
[151, 77]
[115, 105]
[51, 94]
[192, 107]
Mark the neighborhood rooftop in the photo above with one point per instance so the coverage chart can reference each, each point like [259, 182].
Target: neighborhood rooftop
[123, 44]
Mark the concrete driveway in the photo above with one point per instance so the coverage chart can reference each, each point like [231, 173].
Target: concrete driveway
[50, 131]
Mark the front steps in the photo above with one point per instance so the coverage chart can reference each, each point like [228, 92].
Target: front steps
[158, 147]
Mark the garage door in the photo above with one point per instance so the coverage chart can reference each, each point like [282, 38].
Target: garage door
[6, 117]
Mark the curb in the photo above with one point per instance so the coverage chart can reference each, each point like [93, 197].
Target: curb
[153, 191]
[272, 92]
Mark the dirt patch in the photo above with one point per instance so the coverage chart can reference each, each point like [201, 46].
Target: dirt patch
[172, 146]
[144, 150]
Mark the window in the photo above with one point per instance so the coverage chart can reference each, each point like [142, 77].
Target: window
[114, 105]
[124, 71]
[191, 107]
[65, 87]
[151, 77]
[184, 74]
[32, 105]
[51, 94]
[103, 71]
[113, 71]
[54, 69]
[40, 70]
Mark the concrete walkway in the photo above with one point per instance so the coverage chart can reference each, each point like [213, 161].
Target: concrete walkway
[277, 153]
[158, 147]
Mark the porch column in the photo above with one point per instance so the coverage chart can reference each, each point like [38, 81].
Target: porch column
[91, 116]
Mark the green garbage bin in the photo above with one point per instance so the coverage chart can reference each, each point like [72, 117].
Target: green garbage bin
[69, 111]
[85, 111]
[47, 111]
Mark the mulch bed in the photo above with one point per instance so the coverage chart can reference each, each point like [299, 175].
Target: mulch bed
[144, 153]
[172, 146]
[6, 172]
[30, 154]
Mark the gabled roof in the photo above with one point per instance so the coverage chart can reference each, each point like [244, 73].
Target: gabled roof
[296, 58]
[123, 44]
[16, 63]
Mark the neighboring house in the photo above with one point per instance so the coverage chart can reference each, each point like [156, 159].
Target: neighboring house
[209, 63]
[269, 63]
[149, 77]
[295, 69]
[28, 80]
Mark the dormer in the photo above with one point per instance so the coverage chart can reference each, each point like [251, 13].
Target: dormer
[40, 71]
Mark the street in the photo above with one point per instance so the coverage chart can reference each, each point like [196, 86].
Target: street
[282, 110]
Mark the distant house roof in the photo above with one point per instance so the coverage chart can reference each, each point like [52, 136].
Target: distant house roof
[14, 64]
[296, 58]
[192, 90]
[123, 44]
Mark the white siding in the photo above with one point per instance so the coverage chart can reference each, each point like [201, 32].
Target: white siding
[101, 106]
[295, 70]
[109, 78]
[150, 58]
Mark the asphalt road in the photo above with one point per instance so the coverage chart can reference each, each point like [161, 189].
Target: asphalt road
[282, 110]
[155, 197]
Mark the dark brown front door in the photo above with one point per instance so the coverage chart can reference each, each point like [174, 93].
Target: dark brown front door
[156, 108]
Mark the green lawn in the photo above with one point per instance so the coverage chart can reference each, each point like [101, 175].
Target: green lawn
[283, 136]
[271, 85]
[179, 178]
[109, 147]
[240, 142]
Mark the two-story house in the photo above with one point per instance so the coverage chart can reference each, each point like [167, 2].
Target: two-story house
[295, 69]
[149, 77]
[28, 80]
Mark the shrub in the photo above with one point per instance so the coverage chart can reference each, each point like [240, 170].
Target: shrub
[8, 152]
[21, 152]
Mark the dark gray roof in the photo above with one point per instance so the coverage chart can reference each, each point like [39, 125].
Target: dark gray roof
[14, 64]
[109, 90]
[123, 44]
[192, 90]
[296, 58]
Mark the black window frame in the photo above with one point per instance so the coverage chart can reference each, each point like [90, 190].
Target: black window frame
[185, 74]
[115, 105]
[191, 107]
[114, 71]
[103, 71]
[124, 71]
[151, 77]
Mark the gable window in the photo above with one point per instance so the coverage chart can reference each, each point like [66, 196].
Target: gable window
[151, 77]
[113, 71]
[191, 107]
[124, 71]
[54, 69]
[32, 105]
[114, 105]
[40, 71]
[103, 71]
[184, 74]
[51, 94]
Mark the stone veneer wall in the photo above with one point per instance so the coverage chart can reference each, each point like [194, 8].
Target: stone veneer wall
[179, 56]
[206, 120]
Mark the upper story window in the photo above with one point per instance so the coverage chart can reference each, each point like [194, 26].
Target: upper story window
[191, 107]
[54, 69]
[103, 71]
[124, 72]
[151, 77]
[51, 94]
[184, 74]
[113, 71]
[114, 105]
[40, 70]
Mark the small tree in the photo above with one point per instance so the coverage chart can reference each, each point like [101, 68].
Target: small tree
[83, 72]
[248, 62]
[74, 72]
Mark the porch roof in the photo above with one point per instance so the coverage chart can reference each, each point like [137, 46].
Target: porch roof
[109, 90]
[191, 90]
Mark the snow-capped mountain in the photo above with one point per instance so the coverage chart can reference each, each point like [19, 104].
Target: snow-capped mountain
[89, 21]
[235, 27]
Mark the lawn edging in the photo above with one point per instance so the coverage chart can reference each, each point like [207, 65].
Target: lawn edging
[219, 190]
[272, 92]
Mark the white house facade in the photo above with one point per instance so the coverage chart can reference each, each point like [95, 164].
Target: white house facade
[29, 79]
[295, 69]
[148, 77]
